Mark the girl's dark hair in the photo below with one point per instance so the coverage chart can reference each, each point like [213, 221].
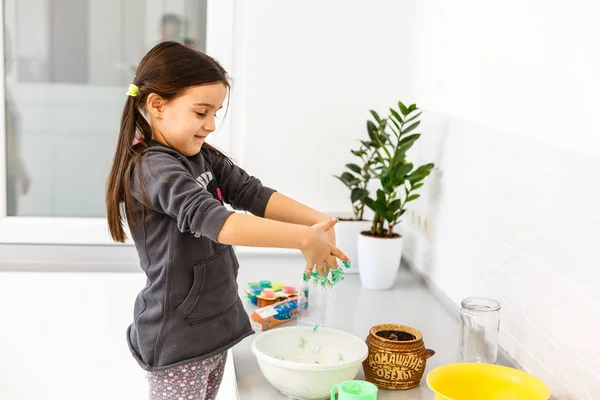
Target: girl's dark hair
[167, 70]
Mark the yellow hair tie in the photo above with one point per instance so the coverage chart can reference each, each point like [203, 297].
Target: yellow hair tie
[133, 90]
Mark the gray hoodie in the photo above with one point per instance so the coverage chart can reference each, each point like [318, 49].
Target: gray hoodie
[190, 308]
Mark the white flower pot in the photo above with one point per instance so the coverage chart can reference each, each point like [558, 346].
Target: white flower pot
[379, 260]
[346, 233]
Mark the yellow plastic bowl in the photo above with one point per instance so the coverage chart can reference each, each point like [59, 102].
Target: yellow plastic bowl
[466, 381]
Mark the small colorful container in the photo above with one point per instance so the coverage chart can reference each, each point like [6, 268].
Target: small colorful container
[268, 317]
[278, 286]
[268, 294]
[253, 293]
[289, 290]
[265, 293]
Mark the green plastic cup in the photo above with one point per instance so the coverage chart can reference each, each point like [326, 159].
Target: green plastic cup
[354, 390]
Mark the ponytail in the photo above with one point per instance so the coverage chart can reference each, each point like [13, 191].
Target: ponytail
[119, 179]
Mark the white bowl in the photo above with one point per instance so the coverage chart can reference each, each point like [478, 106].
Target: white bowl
[304, 363]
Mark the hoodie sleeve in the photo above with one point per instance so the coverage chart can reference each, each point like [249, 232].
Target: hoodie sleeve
[162, 183]
[242, 191]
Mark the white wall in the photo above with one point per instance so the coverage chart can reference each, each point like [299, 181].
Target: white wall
[528, 67]
[510, 90]
[309, 72]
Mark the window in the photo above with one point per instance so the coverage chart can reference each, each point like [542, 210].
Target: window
[67, 67]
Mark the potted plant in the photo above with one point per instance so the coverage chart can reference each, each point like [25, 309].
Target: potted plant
[356, 178]
[380, 248]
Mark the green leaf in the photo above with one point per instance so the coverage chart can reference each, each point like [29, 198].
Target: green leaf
[421, 173]
[366, 144]
[380, 196]
[372, 130]
[390, 216]
[375, 205]
[400, 172]
[386, 181]
[370, 145]
[413, 197]
[411, 119]
[369, 202]
[398, 180]
[399, 156]
[409, 139]
[384, 138]
[403, 169]
[375, 115]
[381, 207]
[344, 182]
[417, 186]
[403, 109]
[358, 195]
[411, 128]
[396, 132]
[414, 179]
[411, 108]
[349, 178]
[405, 147]
[354, 168]
[397, 116]
[358, 153]
[395, 205]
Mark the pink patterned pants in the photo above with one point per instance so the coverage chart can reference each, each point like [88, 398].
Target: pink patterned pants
[198, 380]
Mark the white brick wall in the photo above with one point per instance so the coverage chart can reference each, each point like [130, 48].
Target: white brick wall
[516, 220]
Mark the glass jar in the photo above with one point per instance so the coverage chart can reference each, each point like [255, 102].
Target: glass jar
[479, 330]
[312, 303]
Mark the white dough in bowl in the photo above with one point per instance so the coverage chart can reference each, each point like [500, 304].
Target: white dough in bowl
[305, 363]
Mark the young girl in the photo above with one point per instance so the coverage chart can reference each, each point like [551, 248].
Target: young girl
[173, 187]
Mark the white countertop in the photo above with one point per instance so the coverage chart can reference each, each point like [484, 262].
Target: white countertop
[355, 310]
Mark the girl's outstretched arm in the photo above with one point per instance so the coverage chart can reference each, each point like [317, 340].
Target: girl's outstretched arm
[249, 230]
[284, 209]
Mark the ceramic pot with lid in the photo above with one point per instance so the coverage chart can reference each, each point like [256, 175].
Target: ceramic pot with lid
[397, 357]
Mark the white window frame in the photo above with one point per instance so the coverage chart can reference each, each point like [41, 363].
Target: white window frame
[94, 231]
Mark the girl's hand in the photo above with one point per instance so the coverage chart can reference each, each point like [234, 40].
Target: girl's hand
[331, 236]
[318, 250]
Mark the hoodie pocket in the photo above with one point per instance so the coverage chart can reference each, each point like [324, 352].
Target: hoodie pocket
[214, 290]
